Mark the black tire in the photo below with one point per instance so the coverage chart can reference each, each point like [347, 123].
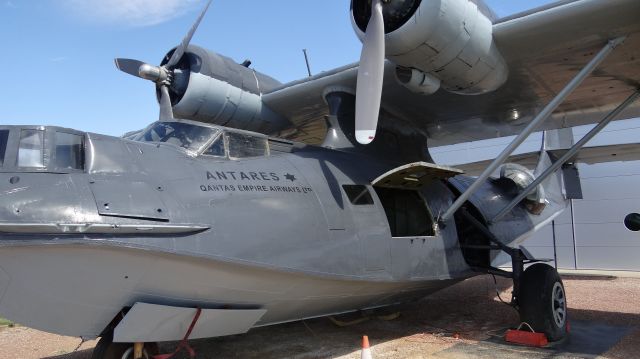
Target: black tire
[542, 301]
[107, 349]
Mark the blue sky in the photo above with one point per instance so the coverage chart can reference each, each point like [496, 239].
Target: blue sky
[57, 58]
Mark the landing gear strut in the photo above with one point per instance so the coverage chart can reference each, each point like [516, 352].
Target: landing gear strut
[538, 293]
[107, 349]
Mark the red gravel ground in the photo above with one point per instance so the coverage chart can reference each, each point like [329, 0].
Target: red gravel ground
[465, 313]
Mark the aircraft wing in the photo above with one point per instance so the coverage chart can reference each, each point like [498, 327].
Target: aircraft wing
[588, 155]
[543, 48]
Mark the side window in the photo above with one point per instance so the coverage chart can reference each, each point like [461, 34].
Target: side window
[4, 138]
[358, 194]
[69, 151]
[216, 148]
[31, 149]
[242, 146]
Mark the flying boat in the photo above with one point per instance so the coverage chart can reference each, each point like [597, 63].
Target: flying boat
[251, 202]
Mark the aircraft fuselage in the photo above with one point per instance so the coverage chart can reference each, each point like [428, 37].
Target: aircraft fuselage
[297, 230]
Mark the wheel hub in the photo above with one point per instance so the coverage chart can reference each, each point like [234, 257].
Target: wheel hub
[558, 305]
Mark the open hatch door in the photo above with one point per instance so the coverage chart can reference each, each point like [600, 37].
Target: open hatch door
[414, 175]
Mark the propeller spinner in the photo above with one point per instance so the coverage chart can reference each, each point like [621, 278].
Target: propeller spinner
[162, 75]
[370, 76]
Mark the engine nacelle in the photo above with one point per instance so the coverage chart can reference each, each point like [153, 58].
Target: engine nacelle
[521, 177]
[212, 88]
[417, 81]
[448, 39]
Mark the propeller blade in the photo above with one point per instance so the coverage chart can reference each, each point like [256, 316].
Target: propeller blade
[129, 66]
[177, 55]
[370, 76]
[166, 111]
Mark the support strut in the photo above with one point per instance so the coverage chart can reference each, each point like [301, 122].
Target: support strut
[567, 156]
[138, 350]
[533, 125]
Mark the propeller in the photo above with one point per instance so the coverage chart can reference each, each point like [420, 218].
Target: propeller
[162, 75]
[370, 76]
[129, 66]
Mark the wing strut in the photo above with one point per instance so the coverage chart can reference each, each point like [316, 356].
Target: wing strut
[533, 125]
[567, 156]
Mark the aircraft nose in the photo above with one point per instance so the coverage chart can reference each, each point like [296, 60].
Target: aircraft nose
[37, 168]
[37, 199]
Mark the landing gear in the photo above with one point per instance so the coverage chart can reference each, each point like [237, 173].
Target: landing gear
[542, 301]
[538, 293]
[107, 349]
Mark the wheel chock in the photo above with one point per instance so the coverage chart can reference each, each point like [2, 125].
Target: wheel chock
[526, 338]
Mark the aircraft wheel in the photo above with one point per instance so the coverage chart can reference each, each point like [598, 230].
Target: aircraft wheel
[543, 302]
[107, 349]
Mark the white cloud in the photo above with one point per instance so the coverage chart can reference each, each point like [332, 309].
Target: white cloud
[129, 12]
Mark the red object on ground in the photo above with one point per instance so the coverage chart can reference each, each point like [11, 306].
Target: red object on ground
[526, 338]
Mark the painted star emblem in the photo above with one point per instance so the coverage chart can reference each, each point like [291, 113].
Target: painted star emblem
[290, 177]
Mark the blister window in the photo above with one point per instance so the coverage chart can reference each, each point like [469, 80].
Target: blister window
[69, 151]
[4, 138]
[31, 149]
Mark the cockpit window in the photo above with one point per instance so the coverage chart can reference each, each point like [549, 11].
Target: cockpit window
[243, 146]
[181, 134]
[31, 149]
[69, 151]
[4, 138]
[216, 148]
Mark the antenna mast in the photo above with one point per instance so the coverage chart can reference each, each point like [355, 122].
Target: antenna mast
[306, 59]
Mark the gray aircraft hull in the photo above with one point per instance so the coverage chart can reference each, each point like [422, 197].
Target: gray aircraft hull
[281, 234]
[96, 280]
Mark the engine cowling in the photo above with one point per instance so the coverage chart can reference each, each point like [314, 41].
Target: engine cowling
[212, 88]
[451, 40]
[521, 177]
